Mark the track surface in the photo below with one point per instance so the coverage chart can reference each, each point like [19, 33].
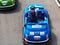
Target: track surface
[11, 22]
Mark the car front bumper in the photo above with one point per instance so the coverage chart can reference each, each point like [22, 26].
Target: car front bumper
[36, 41]
[7, 7]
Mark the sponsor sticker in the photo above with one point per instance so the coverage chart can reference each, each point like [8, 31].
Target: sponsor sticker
[36, 26]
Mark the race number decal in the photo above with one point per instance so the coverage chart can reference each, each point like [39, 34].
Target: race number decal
[36, 26]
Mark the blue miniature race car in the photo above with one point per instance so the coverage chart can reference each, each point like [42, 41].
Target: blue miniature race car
[36, 25]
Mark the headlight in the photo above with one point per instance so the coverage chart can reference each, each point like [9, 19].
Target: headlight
[31, 33]
[42, 33]
[4, 2]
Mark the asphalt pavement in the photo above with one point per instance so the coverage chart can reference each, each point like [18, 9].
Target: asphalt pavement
[11, 22]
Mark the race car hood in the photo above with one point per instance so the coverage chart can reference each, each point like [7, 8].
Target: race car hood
[36, 27]
[6, 2]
